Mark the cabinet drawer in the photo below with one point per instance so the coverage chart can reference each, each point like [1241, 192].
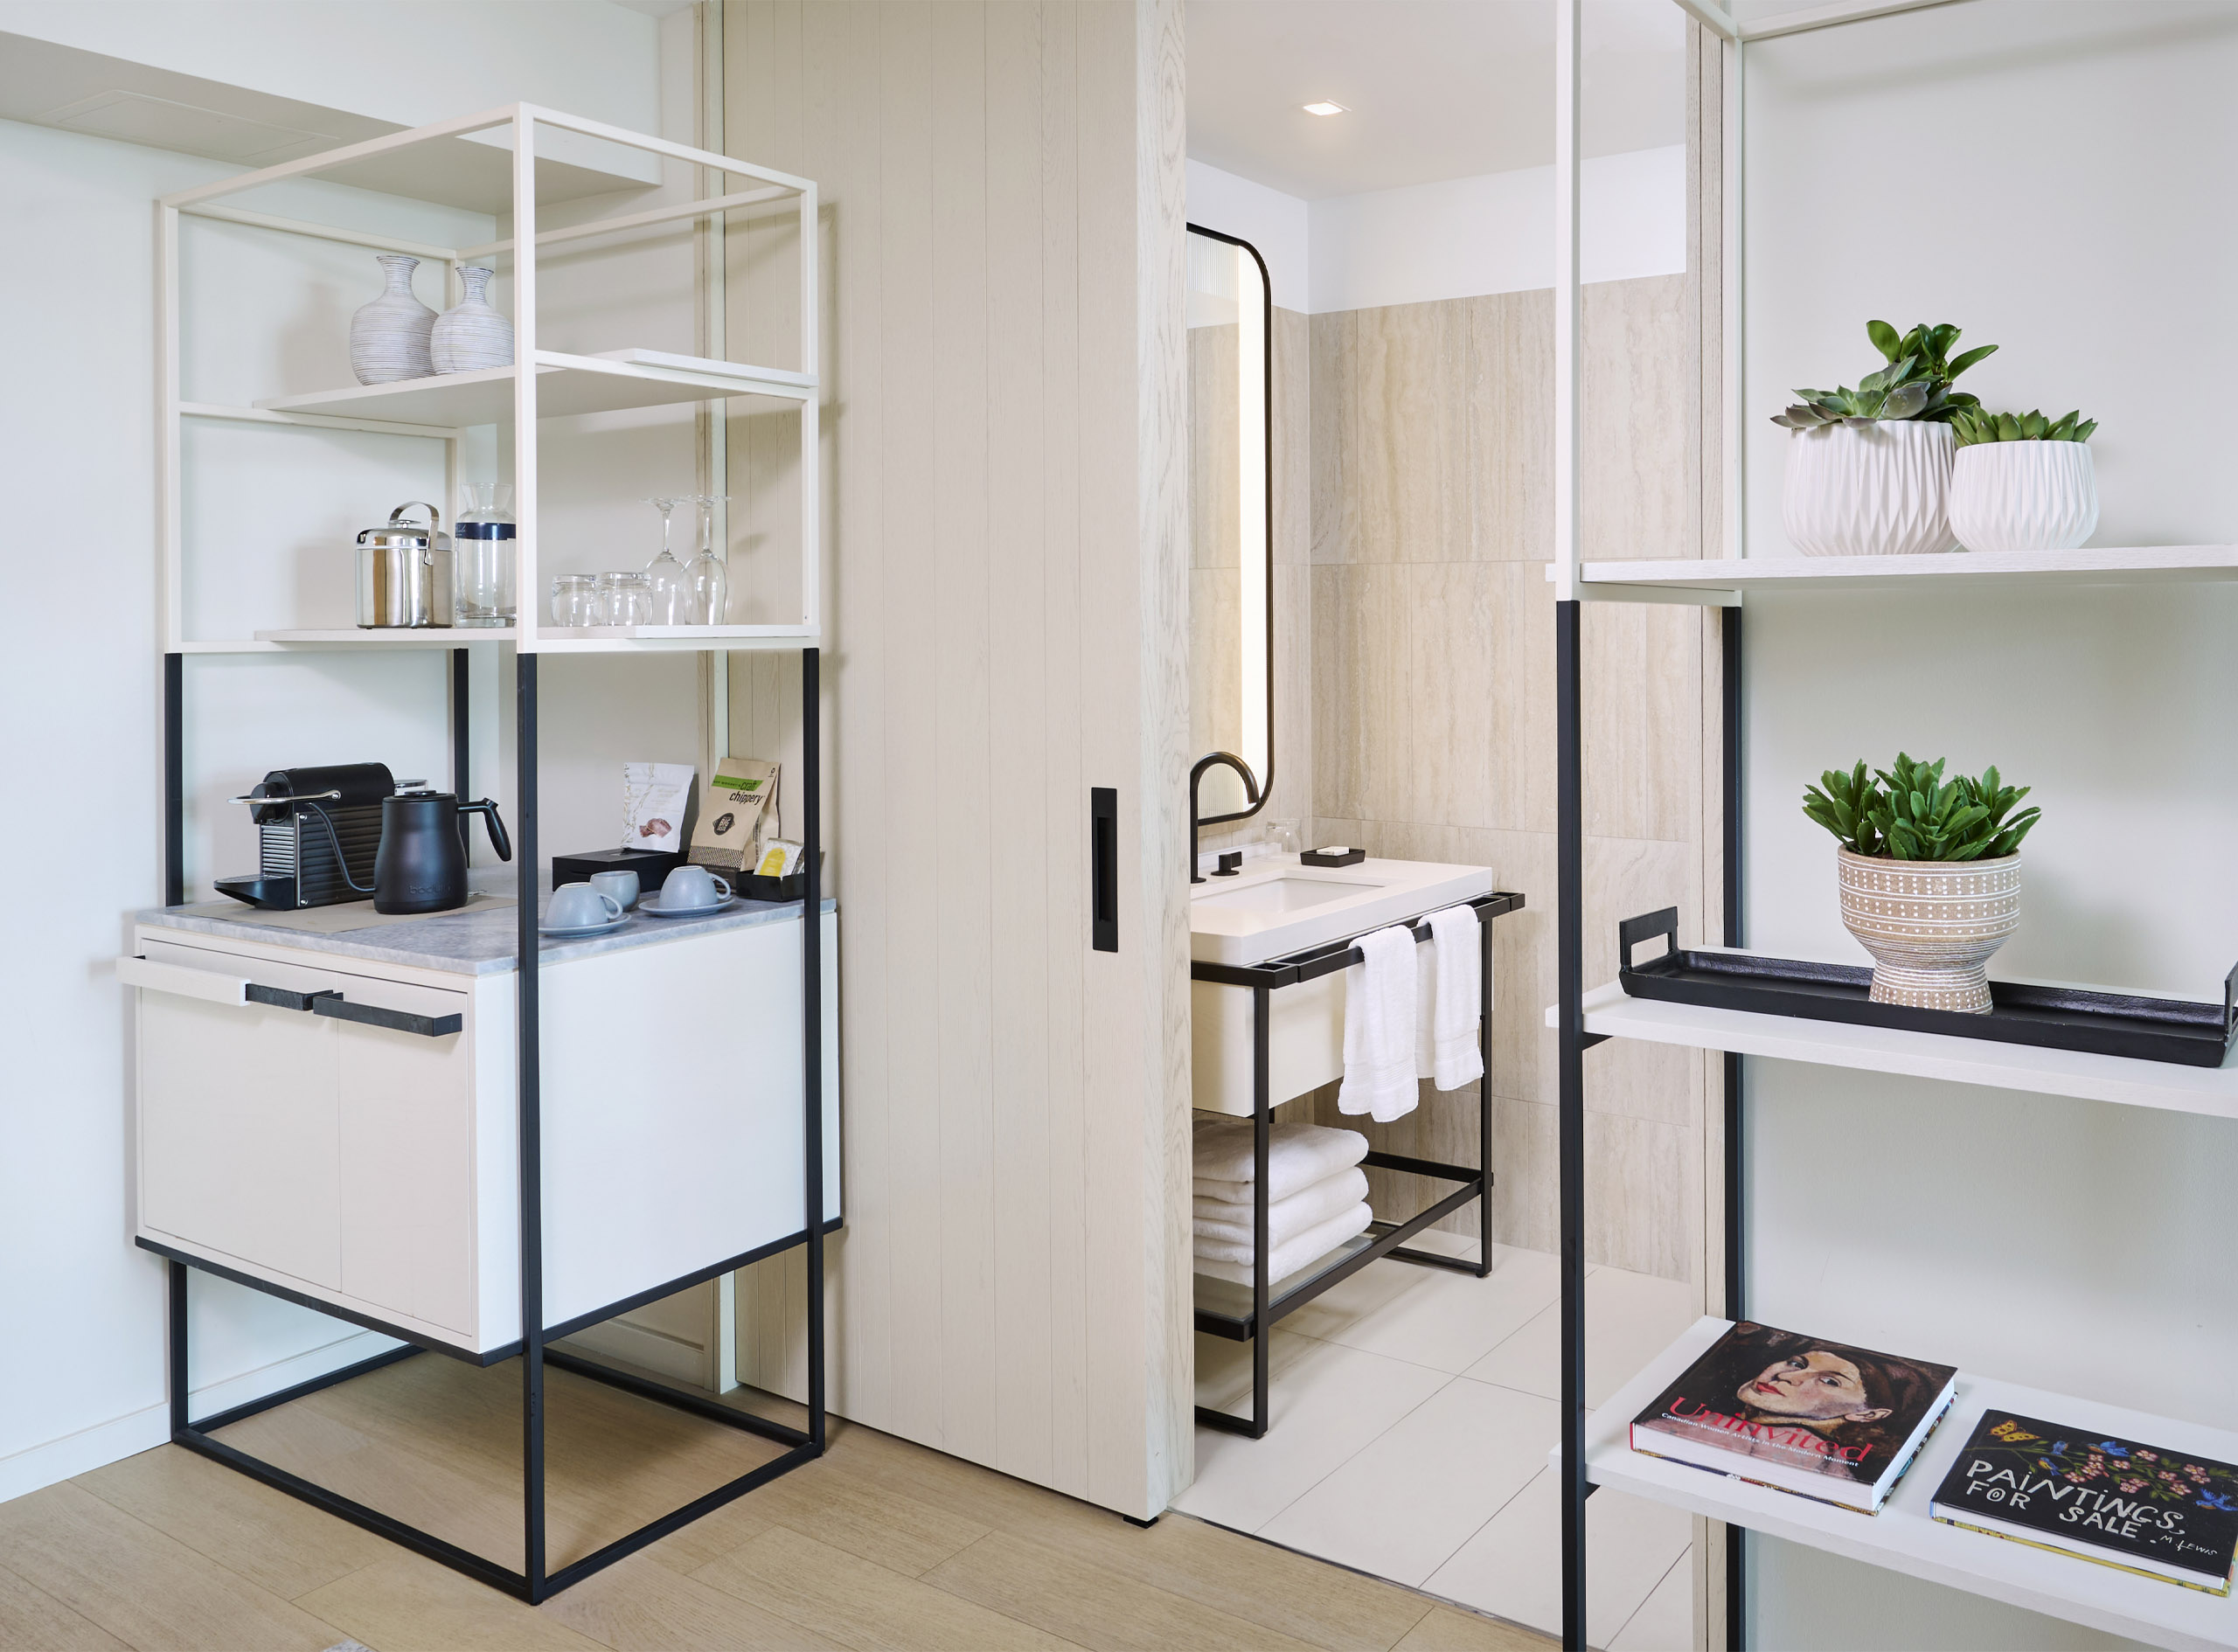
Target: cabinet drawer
[334, 1151]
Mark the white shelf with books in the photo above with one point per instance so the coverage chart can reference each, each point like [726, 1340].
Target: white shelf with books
[1612, 1013]
[1904, 1536]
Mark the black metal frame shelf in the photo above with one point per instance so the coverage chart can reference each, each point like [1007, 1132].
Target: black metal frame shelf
[1267, 1310]
[535, 1581]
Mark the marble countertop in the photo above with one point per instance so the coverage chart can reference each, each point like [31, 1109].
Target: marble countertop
[479, 942]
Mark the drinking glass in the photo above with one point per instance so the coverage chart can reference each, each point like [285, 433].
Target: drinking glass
[710, 581]
[574, 599]
[624, 599]
[670, 601]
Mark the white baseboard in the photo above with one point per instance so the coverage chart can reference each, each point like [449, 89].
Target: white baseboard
[641, 1345]
[143, 1430]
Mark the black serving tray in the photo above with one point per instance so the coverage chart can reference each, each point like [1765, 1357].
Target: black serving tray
[2193, 1035]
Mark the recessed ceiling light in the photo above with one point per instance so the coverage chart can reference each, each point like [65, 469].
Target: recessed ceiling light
[1325, 107]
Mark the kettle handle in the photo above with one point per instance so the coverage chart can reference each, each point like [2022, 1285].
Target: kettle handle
[498, 840]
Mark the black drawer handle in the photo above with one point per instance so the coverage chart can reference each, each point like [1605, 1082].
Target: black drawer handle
[1103, 861]
[334, 1006]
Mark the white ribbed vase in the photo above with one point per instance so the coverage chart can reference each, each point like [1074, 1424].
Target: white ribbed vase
[472, 335]
[2024, 495]
[388, 338]
[1930, 925]
[1869, 490]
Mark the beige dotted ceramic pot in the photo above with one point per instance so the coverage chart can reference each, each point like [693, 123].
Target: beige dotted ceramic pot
[1930, 925]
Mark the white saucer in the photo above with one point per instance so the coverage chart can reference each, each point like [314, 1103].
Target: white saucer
[650, 905]
[575, 932]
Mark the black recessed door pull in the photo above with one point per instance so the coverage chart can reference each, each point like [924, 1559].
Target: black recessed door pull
[334, 1006]
[1103, 861]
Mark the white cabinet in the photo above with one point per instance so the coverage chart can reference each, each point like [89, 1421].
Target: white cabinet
[377, 1169]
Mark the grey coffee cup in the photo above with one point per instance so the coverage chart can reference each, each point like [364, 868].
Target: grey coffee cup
[689, 888]
[623, 886]
[575, 905]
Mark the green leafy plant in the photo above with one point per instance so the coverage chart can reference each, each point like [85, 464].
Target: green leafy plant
[1914, 813]
[1970, 425]
[1915, 385]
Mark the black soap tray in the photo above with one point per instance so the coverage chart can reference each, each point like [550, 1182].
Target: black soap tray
[2193, 1035]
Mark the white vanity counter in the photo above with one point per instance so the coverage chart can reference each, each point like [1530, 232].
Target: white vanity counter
[375, 1168]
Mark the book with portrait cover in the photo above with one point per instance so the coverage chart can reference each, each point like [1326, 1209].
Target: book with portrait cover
[1799, 1413]
[2163, 1514]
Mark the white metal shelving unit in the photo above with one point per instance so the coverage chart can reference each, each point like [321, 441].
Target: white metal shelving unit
[435, 163]
[1595, 1450]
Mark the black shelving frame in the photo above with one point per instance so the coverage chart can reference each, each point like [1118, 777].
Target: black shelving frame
[1264, 981]
[536, 1581]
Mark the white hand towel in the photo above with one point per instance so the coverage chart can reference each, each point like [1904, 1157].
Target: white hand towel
[1298, 1156]
[1381, 1004]
[1455, 1059]
[1283, 1260]
[1286, 1218]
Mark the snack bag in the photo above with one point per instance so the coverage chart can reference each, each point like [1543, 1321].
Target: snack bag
[654, 798]
[729, 824]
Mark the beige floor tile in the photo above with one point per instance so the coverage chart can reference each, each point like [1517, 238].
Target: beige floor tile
[1665, 1619]
[638, 1604]
[1446, 1630]
[1401, 1506]
[1091, 1606]
[861, 1604]
[1512, 1566]
[31, 1618]
[1430, 1316]
[266, 1536]
[143, 1587]
[407, 1604]
[1630, 1318]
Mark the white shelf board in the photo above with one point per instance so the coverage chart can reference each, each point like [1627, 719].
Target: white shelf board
[566, 385]
[604, 639]
[1903, 1536]
[1610, 1010]
[2145, 565]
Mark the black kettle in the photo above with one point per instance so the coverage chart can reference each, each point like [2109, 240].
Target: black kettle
[421, 863]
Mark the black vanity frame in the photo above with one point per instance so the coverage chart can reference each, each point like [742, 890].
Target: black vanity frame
[1265, 980]
[536, 1582]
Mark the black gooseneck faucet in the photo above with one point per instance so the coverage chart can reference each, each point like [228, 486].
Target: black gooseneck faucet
[1250, 792]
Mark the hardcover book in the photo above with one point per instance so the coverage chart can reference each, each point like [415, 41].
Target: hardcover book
[1819, 1419]
[2162, 1514]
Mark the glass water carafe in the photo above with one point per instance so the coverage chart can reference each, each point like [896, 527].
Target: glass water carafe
[482, 567]
[710, 603]
[671, 600]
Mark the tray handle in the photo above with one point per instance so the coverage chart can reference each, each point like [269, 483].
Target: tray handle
[2229, 1003]
[1632, 930]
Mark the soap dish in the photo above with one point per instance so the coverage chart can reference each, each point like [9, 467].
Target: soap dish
[1332, 857]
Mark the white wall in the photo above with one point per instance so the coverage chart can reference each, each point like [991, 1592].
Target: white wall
[2078, 1247]
[1460, 239]
[84, 1305]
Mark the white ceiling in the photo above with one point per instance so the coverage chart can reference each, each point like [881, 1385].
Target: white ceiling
[1436, 88]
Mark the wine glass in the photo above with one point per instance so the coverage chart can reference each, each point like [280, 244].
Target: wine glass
[710, 580]
[670, 586]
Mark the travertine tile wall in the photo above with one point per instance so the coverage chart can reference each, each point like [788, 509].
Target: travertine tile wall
[1433, 711]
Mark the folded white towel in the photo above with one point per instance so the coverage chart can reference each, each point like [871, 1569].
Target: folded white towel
[1457, 1008]
[1298, 1156]
[1286, 1218]
[1233, 1262]
[1382, 1002]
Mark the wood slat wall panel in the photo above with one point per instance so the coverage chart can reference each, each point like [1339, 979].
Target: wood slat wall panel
[1006, 597]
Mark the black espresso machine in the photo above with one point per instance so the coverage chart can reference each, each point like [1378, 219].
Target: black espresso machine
[319, 841]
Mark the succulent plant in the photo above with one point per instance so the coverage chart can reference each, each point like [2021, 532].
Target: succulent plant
[1970, 425]
[1914, 813]
[1915, 385]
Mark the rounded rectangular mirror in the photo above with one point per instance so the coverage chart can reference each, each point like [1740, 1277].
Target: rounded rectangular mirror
[1231, 520]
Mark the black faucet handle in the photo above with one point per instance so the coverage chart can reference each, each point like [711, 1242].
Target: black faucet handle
[1231, 863]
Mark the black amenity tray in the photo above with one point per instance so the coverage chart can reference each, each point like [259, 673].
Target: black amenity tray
[2193, 1035]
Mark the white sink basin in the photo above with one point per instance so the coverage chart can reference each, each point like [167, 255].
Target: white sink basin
[1276, 905]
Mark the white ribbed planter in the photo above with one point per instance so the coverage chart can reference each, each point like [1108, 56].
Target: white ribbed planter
[1869, 490]
[1930, 925]
[2024, 495]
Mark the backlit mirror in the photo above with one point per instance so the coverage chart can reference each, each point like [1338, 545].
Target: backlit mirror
[1231, 529]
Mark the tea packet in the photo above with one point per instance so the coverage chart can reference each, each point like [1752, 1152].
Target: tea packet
[744, 793]
[654, 799]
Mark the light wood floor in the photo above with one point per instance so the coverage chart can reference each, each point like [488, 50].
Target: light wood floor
[879, 1544]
